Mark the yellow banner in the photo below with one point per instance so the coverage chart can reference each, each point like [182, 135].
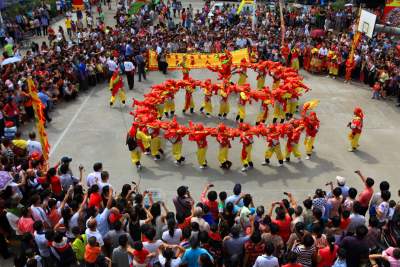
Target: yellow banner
[196, 60]
[393, 3]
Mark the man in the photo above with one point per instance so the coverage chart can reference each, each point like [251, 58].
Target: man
[45, 99]
[233, 246]
[311, 123]
[141, 64]
[273, 146]
[356, 218]
[134, 135]
[267, 259]
[33, 145]
[95, 176]
[356, 247]
[42, 243]
[120, 256]
[192, 255]
[111, 66]
[130, 72]
[183, 202]
[366, 195]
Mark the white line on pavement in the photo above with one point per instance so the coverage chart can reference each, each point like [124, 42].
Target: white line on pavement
[61, 137]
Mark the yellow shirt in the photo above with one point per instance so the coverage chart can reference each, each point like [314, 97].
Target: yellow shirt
[20, 143]
[68, 23]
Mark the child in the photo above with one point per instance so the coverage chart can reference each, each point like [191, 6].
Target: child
[376, 91]
[392, 207]
[93, 256]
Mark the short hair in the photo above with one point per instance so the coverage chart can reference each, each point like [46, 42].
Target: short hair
[307, 203]
[361, 231]
[222, 195]
[97, 166]
[373, 221]
[384, 186]
[181, 191]
[237, 189]
[352, 192]
[369, 182]
[308, 240]
[137, 245]
[212, 195]
[269, 248]
[150, 233]
[345, 214]
[123, 240]
[337, 191]
[274, 228]
[247, 200]
[357, 208]
[335, 221]
[291, 257]
[298, 210]
[92, 241]
[104, 175]
[32, 135]
[385, 195]
[38, 226]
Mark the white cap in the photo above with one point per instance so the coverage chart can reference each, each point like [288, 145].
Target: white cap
[341, 180]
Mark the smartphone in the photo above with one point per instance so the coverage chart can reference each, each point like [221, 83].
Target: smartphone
[285, 193]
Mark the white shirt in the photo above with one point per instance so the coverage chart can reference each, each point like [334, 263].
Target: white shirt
[13, 221]
[174, 262]
[128, 66]
[34, 146]
[112, 66]
[172, 240]
[42, 244]
[96, 234]
[39, 214]
[91, 178]
[266, 261]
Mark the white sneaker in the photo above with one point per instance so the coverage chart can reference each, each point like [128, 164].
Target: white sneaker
[244, 169]
[139, 167]
[307, 157]
[280, 164]
[203, 167]
[265, 163]
[156, 159]
[146, 153]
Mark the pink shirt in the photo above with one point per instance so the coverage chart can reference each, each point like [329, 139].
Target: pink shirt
[366, 196]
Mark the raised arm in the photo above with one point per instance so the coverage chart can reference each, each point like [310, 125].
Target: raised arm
[361, 176]
[149, 216]
[292, 200]
[110, 198]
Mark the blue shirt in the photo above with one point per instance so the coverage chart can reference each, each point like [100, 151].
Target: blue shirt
[44, 98]
[191, 256]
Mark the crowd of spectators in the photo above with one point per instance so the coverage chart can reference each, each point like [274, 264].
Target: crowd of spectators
[55, 218]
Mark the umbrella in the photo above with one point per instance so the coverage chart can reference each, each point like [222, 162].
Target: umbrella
[5, 179]
[11, 60]
[317, 33]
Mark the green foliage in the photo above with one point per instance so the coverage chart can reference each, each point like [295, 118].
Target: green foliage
[21, 7]
[338, 4]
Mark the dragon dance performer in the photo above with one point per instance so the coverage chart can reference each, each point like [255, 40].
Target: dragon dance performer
[155, 142]
[224, 146]
[169, 104]
[356, 126]
[279, 106]
[276, 79]
[189, 103]
[246, 138]
[333, 63]
[174, 135]
[261, 73]
[132, 138]
[242, 72]
[263, 115]
[116, 87]
[311, 124]
[273, 145]
[315, 63]
[199, 135]
[243, 99]
[224, 107]
[285, 51]
[207, 106]
[293, 134]
[350, 65]
[185, 68]
[295, 52]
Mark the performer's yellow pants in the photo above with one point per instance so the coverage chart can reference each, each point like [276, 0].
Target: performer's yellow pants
[262, 116]
[155, 145]
[146, 143]
[295, 151]
[201, 156]
[224, 107]
[295, 64]
[260, 82]
[121, 95]
[242, 111]
[274, 149]
[135, 156]
[169, 106]
[354, 140]
[207, 106]
[223, 154]
[278, 112]
[276, 84]
[247, 159]
[309, 142]
[291, 106]
[177, 150]
[242, 79]
[333, 71]
[160, 110]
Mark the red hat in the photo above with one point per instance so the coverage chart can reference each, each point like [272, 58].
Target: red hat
[358, 112]
[9, 124]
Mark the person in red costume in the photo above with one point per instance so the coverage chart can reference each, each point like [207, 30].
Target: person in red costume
[225, 70]
[356, 126]
[350, 65]
[247, 140]
[311, 124]
[224, 146]
[285, 51]
[199, 134]
[174, 134]
[273, 145]
[292, 145]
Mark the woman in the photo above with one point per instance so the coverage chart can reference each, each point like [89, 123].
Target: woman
[173, 235]
[306, 251]
[327, 255]
[54, 182]
[168, 258]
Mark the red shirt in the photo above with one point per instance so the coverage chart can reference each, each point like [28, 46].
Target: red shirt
[292, 265]
[94, 200]
[141, 255]
[344, 223]
[212, 205]
[327, 257]
[284, 227]
[55, 185]
[366, 196]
